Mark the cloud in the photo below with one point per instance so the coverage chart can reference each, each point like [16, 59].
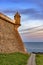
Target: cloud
[32, 30]
[31, 12]
[28, 11]
[32, 37]
[8, 11]
[22, 11]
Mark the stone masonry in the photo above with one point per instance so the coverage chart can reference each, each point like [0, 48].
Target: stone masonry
[10, 40]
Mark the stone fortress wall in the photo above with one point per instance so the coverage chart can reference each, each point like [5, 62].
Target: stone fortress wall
[10, 40]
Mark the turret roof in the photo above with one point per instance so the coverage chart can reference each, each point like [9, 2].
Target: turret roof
[17, 14]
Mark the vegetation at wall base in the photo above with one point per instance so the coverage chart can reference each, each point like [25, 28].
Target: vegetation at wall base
[39, 59]
[14, 59]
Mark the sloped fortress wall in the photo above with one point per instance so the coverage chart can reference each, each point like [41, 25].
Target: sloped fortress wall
[10, 40]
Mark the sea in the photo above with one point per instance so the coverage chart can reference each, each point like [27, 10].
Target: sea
[34, 46]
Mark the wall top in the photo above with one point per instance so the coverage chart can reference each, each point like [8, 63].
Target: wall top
[6, 18]
[17, 15]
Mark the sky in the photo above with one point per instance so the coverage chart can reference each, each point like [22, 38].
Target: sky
[31, 12]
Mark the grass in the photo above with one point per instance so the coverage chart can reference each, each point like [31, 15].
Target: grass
[14, 59]
[39, 59]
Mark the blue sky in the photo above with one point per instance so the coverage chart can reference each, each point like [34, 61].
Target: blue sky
[31, 12]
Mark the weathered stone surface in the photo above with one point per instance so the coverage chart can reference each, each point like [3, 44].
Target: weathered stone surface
[10, 40]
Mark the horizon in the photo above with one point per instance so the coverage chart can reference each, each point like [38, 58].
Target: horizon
[31, 12]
